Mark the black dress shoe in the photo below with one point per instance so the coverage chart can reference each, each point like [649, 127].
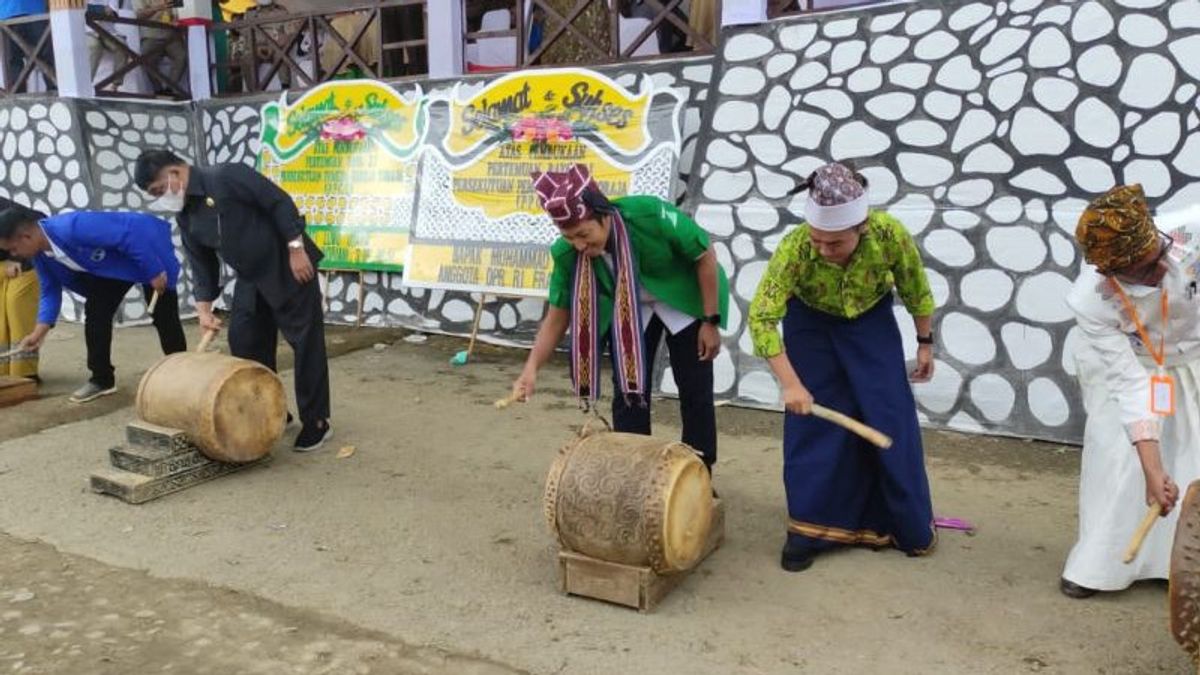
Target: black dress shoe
[795, 560]
[1074, 590]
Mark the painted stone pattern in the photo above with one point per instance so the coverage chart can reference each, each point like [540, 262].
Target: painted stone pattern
[66, 155]
[984, 127]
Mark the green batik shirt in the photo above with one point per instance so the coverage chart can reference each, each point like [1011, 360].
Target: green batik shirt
[886, 258]
[665, 243]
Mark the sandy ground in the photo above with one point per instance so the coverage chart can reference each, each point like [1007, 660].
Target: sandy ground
[67, 614]
[431, 534]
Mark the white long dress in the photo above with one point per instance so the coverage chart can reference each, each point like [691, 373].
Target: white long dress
[1114, 369]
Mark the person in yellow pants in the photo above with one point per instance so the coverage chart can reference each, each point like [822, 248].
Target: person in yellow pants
[18, 315]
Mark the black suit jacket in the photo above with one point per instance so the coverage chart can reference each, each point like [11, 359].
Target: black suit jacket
[236, 213]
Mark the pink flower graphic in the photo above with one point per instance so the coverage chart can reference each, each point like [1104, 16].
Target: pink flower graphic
[541, 129]
[343, 129]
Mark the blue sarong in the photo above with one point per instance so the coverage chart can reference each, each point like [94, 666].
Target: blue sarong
[841, 490]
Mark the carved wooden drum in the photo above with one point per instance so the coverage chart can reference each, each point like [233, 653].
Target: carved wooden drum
[233, 409]
[630, 499]
[1185, 573]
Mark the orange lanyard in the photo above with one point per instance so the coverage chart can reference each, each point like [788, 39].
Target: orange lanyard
[1160, 356]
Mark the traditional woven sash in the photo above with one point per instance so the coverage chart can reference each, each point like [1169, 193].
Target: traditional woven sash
[626, 330]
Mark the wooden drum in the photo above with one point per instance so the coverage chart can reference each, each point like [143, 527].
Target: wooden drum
[1185, 573]
[630, 499]
[233, 409]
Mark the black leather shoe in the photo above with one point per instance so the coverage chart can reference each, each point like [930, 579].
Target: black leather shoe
[1074, 590]
[795, 561]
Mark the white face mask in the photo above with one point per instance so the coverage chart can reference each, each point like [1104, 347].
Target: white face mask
[173, 200]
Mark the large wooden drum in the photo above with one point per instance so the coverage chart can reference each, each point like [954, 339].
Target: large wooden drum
[630, 499]
[233, 409]
[1185, 573]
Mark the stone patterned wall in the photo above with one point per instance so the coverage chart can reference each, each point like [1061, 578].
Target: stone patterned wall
[984, 127]
[62, 155]
[231, 135]
[114, 134]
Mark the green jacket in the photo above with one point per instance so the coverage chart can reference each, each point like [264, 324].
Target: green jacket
[666, 244]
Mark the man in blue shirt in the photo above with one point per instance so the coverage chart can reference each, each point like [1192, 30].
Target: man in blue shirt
[30, 32]
[99, 255]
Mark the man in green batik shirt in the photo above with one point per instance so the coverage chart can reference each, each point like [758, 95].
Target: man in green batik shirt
[830, 282]
[633, 269]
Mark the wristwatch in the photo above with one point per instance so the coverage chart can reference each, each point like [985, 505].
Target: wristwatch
[297, 243]
[714, 319]
[927, 340]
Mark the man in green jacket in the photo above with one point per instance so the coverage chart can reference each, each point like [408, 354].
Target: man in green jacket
[626, 271]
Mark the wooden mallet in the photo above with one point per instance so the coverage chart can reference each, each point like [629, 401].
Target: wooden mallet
[1153, 512]
[873, 436]
[507, 401]
[206, 340]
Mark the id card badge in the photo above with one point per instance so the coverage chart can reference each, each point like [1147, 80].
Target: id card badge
[1162, 395]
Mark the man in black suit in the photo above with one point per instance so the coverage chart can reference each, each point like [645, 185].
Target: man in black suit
[236, 213]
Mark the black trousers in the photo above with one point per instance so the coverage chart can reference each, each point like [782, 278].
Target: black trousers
[103, 298]
[254, 327]
[693, 378]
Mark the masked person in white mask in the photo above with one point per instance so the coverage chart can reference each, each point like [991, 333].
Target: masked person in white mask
[232, 213]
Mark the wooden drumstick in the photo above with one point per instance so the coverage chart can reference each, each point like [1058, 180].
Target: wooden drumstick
[507, 401]
[1143, 529]
[206, 340]
[874, 436]
[153, 303]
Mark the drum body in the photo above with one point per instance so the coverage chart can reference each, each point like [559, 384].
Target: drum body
[233, 409]
[630, 499]
[1185, 573]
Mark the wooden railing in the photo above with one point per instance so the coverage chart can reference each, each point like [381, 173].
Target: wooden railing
[25, 49]
[380, 40]
[586, 31]
[168, 42]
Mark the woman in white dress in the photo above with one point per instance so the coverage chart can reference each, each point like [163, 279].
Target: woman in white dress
[1139, 368]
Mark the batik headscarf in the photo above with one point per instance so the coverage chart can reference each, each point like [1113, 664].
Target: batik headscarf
[837, 198]
[1116, 230]
[568, 198]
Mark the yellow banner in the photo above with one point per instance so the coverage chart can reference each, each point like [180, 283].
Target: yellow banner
[347, 153]
[471, 266]
[500, 184]
[479, 224]
[579, 103]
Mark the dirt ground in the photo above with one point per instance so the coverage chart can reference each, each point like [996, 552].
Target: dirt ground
[425, 551]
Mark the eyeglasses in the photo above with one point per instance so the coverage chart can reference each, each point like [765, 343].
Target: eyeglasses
[1146, 271]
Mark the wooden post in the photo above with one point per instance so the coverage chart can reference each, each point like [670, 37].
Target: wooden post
[69, 36]
[475, 325]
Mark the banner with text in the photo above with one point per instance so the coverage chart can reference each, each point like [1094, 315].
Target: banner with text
[479, 226]
[347, 152]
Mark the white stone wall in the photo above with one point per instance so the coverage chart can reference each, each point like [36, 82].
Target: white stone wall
[985, 127]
